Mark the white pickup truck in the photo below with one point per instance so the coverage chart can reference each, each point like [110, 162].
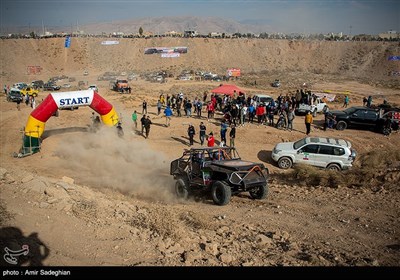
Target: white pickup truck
[317, 107]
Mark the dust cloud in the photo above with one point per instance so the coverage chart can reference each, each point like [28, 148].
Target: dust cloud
[104, 160]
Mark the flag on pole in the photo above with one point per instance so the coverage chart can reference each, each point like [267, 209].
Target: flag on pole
[67, 41]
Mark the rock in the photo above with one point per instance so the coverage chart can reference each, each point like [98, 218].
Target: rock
[212, 248]
[65, 186]
[222, 229]
[249, 263]
[375, 263]
[68, 180]
[226, 258]
[285, 235]
[52, 200]
[3, 172]
[36, 185]
[8, 178]
[263, 240]
[44, 205]
[190, 256]
[27, 178]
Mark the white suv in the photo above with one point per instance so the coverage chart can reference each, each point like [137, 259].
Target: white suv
[330, 153]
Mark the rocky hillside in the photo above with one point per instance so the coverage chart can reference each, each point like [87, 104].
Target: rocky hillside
[356, 60]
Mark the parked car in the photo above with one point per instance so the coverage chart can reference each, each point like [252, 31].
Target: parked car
[317, 107]
[262, 99]
[51, 87]
[329, 153]
[30, 91]
[20, 85]
[218, 171]
[356, 117]
[37, 84]
[276, 83]
[14, 94]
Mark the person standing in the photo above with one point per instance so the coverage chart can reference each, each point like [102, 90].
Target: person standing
[346, 101]
[210, 140]
[290, 118]
[224, 128]
[191, 133]
[143, 122]
[144, 107]
[168, 114]
[147, 123]
[369, 101]
[308, 121]
[159, 105]
[33, 104]
[18, 104]
[134, 119]
[202, 133]
[232, 135]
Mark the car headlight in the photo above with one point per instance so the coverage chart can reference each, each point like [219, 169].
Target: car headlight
[276, 151]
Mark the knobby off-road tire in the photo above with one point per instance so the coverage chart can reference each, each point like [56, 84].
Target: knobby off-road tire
[260, 192]
[181, 188]
[221, 193]
[285, 163]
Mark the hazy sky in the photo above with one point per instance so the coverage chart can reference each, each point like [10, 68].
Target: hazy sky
[313, 16]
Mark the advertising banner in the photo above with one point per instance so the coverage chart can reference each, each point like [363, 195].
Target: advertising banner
[170, 54]
[233, 72]
[106, 43]
[394, 57]
[33, 70]
[153, 50]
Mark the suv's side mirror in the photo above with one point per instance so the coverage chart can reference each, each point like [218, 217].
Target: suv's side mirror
[299, 151]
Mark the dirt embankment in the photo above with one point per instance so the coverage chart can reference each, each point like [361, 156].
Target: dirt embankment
[355, 60]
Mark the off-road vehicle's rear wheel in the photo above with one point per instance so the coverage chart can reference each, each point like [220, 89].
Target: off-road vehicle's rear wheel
[341, 125]
[221, 193]
[181, 188]
[334, 167]
[260, 192]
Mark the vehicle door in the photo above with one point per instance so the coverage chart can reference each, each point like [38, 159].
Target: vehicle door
[357, 118]
[306, 154]
[370, 118]
[326, 155]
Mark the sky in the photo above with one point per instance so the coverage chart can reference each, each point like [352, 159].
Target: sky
[309, 17]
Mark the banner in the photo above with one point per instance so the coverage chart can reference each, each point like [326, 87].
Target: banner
[170, 54]
[33, 70]
[165, 50]
[110, 42]
[233, 72]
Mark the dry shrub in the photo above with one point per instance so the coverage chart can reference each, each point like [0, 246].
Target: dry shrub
[375, 169]
[307, 175]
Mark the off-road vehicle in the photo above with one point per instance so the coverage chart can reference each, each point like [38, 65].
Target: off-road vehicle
[218, 171]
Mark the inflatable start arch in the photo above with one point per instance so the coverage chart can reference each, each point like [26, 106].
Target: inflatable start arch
[58, 100]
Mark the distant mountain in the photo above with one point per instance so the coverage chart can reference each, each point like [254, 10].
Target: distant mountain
[160, 25]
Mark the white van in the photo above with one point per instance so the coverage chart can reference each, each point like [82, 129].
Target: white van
[330, 153]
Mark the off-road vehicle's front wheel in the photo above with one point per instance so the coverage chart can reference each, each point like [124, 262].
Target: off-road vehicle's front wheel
[260, 192]
[181, 188]
[221, 193]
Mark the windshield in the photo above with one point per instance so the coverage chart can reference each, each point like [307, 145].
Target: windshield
[350, 111]
[299, 143]
[265, 99]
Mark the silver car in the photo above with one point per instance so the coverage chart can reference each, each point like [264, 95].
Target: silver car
[330, 153]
